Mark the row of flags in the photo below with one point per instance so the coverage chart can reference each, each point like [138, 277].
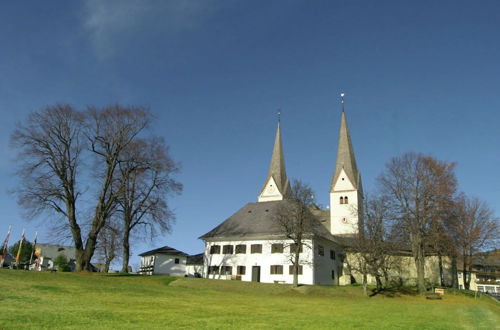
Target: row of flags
[34, 251]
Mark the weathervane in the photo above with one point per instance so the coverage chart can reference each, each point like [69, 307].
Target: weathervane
[279, 116]
[342, 100]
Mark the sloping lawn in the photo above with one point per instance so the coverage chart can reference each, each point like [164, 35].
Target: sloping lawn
[65, 300]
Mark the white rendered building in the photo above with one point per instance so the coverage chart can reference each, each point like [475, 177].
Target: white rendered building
[163, 261]
[251, 246]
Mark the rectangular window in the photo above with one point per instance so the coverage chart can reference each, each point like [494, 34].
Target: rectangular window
[276, 269]
[213, 269]
[332, 254]
[227, 249]
[293, 248]
[215, 249]
[176, 260]
[240, 270]
[333, 274]
[291, 270]
[226, 270]
[277, 248]
[321, 250]
[256, 248]
[241, 248]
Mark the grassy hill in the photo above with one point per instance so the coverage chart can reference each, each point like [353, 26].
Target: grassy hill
[50, 300]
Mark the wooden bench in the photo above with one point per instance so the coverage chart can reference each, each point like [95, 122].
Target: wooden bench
[433, 295]
[439, 290]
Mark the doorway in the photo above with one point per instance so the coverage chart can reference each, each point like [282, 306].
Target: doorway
[255, 273]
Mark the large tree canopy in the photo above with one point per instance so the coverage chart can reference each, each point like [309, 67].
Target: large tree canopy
[64, 153]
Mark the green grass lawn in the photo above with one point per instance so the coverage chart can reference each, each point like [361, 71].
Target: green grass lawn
[65, 300]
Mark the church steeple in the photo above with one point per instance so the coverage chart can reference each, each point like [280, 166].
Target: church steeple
[276, 186]
[346, 191]
[345, 157]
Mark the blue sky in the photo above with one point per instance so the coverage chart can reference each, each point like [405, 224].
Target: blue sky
[418, 76]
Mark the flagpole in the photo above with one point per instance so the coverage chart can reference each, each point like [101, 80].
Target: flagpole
[33, 247]
[5, 247]
[18, 257]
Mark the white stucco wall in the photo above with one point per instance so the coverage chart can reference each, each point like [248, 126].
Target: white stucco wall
[191, 270]
[271, 192]
[324, 265]
[312, 273]
[344, 217]
[165, 264]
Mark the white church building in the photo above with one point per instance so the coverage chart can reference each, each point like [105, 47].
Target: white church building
[250, 244]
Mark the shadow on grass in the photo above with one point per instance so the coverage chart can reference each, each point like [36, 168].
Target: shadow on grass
[394, 292]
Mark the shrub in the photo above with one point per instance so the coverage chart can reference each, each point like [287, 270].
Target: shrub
[61, 262]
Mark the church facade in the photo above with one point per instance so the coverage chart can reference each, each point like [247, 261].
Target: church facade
[251, 246]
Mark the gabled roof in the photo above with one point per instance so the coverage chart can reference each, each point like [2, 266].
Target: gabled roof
[345, 157]
[258, 220]
[164, 250]
[277, 167]
[195, 259]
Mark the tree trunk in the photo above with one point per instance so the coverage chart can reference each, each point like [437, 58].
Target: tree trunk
[126, 250]
[379, 283]
[80, 260]
[441, 275]
[454, 271]
[296, 266]
[77, 237]
[108, 262]
[365, 283]
[420, 264]
[465, 273]
[91, 243]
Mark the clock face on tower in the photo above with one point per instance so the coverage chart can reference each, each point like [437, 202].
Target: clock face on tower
[270, 189]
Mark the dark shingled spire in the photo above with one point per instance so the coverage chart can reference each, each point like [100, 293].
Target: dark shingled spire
[277, 167]
[345, 157]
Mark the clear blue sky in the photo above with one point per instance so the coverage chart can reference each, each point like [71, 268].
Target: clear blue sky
[418, 75]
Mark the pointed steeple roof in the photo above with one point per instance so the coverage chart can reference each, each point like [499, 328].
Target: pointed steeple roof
[345, 157]
[277, 167]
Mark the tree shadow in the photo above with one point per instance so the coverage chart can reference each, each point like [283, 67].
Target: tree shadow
[394, 292]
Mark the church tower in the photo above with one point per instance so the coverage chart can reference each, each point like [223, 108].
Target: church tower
[276, 187]
[346, 192]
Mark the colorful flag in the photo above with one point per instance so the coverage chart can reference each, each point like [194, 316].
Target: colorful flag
[18, 257]
[4, 249]
[38, 253]
[33, 247]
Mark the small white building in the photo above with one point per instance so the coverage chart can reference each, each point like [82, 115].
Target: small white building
[163, 261]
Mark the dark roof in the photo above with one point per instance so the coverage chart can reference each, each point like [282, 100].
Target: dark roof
[164, 250]
[256, 220]
[196, 259]
[345, 157]
[277, 167]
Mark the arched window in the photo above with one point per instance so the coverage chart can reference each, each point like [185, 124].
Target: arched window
[341, 200]
[346, 200]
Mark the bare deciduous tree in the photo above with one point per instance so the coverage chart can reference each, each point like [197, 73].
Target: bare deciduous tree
[50, 145]
[474, 229]
[109, 243]
[371, 249]
[417, 188]
[110, 131]
[146, 180]
[297, 221]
